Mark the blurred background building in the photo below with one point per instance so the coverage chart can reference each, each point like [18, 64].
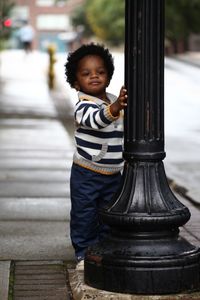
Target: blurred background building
[50, 20]
[66, 22]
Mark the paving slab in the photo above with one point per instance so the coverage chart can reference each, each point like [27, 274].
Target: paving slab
[34, 176]
[35, 209]
[4, 279]
[36, 153]
[35, 240]
[192, 228]
[31, 189]
[36, 130]
[34, 163]
[26, 142]
[38, 134]
[29, 123]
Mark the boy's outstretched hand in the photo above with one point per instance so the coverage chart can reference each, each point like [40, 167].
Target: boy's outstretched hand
[120, 103]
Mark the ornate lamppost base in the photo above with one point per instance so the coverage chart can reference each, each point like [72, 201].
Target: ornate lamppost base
[144, 264]
[144, 253]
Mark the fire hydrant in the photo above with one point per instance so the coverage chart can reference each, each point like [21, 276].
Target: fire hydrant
[51, 72]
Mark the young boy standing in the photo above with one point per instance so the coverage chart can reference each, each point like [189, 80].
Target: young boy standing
[97, 161]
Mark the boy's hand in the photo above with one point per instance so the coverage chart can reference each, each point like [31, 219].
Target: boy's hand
[120, 103]
[122, 99]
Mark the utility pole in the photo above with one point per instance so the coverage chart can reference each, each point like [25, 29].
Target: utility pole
[144, 253]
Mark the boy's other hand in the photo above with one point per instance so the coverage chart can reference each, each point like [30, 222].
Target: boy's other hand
[120, 103]
[122, 99]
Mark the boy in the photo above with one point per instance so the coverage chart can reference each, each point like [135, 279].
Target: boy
[97, 161]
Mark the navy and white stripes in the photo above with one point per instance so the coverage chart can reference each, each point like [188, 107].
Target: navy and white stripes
[98, 135]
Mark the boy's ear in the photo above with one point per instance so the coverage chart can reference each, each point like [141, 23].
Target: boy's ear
[108, 82]
[76, 86]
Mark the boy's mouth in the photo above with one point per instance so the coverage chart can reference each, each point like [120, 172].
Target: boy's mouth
[95, 82]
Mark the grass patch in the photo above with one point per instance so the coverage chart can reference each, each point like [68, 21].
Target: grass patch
[11, 281]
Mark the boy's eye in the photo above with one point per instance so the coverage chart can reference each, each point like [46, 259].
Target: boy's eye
[101, 72]
[85, 73]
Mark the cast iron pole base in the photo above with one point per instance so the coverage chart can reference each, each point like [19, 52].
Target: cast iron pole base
[143, 265]
[144, 253]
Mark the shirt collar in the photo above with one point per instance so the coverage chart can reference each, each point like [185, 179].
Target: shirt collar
[83, 96]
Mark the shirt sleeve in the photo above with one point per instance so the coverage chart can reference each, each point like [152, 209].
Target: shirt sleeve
[89, 114]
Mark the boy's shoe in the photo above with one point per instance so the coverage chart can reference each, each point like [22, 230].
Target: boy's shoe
[80, 265]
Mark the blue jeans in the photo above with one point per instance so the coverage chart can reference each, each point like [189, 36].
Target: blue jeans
[90, 191]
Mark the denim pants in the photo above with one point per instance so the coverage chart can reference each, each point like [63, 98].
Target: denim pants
[90, 191]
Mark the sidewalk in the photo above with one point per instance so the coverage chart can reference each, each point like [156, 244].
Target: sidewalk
[35, 156]
[35, 159]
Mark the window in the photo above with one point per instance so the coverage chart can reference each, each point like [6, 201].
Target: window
[53, 22]
[50, 2]
[45, 2]
[20, 13]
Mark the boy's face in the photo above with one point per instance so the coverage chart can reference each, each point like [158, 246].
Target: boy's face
[92, 76]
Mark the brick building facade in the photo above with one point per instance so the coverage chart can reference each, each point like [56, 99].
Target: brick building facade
[49, 18]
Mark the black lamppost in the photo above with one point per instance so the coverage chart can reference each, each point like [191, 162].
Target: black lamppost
[144, 253]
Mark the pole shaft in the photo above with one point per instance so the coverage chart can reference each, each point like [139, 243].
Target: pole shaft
[144, 79]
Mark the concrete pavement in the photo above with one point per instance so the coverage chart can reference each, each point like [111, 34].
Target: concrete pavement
[35, 157]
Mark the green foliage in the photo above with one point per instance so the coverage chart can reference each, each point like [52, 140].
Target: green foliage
[79, 18]
[182, 18]
[11, 281]
[105, 19]
[6, 7]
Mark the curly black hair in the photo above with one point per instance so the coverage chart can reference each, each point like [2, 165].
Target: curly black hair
[87, 49]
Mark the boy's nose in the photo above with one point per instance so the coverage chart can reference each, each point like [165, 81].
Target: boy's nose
[94, 74]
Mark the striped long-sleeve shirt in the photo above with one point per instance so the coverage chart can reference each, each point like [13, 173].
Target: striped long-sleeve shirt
[98, 135]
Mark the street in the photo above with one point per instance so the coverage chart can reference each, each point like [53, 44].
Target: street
[182, 106]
